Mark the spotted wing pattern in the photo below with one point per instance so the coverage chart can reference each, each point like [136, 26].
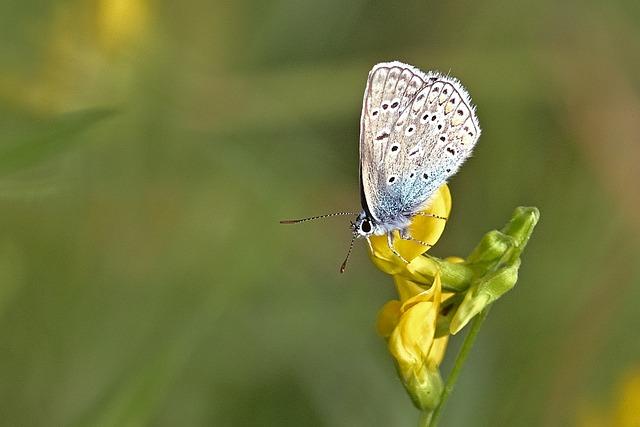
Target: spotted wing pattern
[416, 130]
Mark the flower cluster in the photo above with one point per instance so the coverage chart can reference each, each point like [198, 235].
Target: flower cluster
[438, 297]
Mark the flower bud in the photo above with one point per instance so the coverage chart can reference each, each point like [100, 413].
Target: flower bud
[491, 248]
[495, 261]
[482, 293]
[455, 276]
[425, 388]
[521, 225]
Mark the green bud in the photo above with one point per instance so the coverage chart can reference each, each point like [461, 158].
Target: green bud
[471, 306]
[521, 225]
[425, 388]
[495, 261]
[483, 292]
[455, 277]
[491, 248]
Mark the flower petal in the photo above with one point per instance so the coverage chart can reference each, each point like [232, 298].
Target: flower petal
[411, 340]
[407, 288]
[388, 318]
[426, 228]
[436, 353]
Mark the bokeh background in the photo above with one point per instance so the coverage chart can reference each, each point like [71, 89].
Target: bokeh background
[148, 149]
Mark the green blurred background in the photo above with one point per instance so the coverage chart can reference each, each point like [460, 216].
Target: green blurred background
[149, 148]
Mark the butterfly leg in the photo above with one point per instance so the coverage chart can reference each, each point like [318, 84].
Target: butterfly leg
[405, 234]
[393, 249]
[432, 216]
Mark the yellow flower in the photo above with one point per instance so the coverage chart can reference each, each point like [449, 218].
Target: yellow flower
[410, 325]
[418, 324]
[624, 412]
[423, 227]
[121, 23]
[85, 57]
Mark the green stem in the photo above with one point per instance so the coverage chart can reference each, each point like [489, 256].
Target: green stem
[431, 420]
[425, 418]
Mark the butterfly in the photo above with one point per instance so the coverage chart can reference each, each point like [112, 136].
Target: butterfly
[416, 130]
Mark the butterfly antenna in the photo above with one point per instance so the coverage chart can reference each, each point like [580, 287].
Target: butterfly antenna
[311, 218]
[343, 267]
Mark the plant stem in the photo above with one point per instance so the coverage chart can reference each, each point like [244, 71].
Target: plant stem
[425, 419]
[431, 420]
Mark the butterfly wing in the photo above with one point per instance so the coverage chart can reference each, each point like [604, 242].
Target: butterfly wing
[407, 154]
[390, 89]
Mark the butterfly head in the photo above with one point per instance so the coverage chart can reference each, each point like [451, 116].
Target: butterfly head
[364, 226]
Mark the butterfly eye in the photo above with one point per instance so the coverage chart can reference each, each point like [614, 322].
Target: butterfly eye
[365, 226]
